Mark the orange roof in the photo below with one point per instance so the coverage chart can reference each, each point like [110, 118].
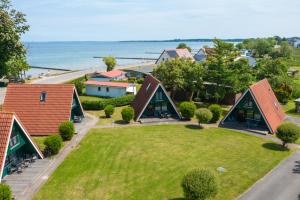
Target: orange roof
[268, 104]
[113, 73]
[40, 118]
[107, 83]
[6, 123]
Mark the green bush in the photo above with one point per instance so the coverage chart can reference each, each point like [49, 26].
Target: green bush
[109, 110]
[79, 84]
[140, 80]
[132, 80]
[5, 192]
[102, 103]
[199, 185]
[53, 144]
[216, 111]
[66, 130]
[203, 116]
[127, 114]
[288, 133]
[187, 110]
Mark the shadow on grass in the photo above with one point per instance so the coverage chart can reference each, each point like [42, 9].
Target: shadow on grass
[120, 122]
[179, 198]
[193, 126]
[274, 146]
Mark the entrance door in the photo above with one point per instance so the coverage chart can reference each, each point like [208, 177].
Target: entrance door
[241, 116]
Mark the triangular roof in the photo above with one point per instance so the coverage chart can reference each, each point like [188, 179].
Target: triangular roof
[145, 94]
[112, 74]
[177, 53]
[40, 118]
[7, 120]
[267, 104]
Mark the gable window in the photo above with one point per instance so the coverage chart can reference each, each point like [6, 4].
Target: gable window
[107, 89]
[14, 141]
[43, 96]
[99, 89]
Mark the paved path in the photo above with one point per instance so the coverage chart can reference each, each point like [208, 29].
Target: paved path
[282, 183]
[292, 119]
[26, 192]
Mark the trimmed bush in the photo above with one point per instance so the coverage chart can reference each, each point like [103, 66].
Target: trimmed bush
[288, 133]
[203, 116]
[66, 130]
[53, 144]
[199, 185]
[140, 81]
[127, 114]
[5, 192]
[187, 110]
[109, 110]
[102, 103]
[216, 111]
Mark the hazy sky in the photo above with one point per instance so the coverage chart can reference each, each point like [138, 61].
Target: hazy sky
[58, 20]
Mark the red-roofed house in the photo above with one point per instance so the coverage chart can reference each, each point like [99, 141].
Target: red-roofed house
[113, 75]
[109, 88]
[15, 144]
[42, 107]
[174, 53]
[258, 108]
[152, 101]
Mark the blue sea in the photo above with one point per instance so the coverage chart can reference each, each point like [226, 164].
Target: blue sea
[79, 55]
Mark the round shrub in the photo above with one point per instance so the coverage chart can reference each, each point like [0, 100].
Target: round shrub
[187, 110]
[53, 144]
[5, 192]
[199, 184]
[203, 116]
[216, 111]
[288, 133]
[127, 114]
[66, 130]
[109, 110]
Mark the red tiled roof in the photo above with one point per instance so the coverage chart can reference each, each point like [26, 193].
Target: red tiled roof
[147, 89]
[6, 122]
[268, 104]
[113, 73]
[107, 83]
[184, 53]
[40, 118]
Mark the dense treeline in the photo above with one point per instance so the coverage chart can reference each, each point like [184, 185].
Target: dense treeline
[224, 74]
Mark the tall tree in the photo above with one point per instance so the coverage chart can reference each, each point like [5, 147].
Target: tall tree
[12, 25]
[184, 46]
[110, 62]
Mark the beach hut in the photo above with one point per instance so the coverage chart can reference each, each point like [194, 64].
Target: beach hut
[152, 101]
[16, 146]
[109, 88]
[42, 107]
[257, 109]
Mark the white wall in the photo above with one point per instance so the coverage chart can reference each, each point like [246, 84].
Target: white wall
[131, 89]
[164, 57]
[92, 90]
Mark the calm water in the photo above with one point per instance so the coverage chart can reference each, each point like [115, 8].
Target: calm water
[79, 55]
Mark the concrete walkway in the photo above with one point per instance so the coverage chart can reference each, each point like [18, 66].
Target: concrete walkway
[25, 185]
[282, 183]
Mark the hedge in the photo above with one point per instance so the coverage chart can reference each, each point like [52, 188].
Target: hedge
[102, 103]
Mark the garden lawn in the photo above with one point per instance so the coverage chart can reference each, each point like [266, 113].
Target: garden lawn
[148, 162]
[289, 109]
[116, 117]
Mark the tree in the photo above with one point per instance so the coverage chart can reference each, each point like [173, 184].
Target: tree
[110, 62]
[184, 46]
[79, 85]
[5, 192]
[216, 111]
[203, 116]
[288, 133]
[12, 26]
[187, 110]
[199, 184]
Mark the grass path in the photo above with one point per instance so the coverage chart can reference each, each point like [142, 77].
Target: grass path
[148, 162]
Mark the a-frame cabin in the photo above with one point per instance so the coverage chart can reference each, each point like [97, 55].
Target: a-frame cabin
[257, 109]
[15, 144]
[152, 101]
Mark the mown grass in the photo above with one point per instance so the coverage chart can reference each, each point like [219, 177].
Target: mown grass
[115, 118]
[148, 162]
[295, 61]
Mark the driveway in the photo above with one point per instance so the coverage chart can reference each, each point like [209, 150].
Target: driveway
[282, 183]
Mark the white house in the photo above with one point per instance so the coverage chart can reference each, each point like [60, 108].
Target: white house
[108, 76]
[202, 54]
[109, 88]
[174, 53]
[297, 43]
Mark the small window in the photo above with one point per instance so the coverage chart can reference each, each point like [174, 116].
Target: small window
[14, 141]
[99, 89]
[43, 96]
[107, 89]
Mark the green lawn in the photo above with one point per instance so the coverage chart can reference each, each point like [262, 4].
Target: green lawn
[90, 98]
[148, 162]
[295, 62]
[116, 117]
[289, 109]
